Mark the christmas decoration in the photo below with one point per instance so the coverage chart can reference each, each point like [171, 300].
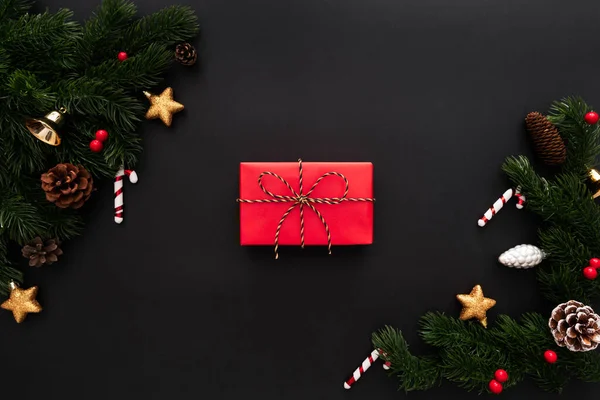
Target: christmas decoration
[96, 146]
[46, 128]
[101, 135]
[163, 106]
[67, 185]
[40, 252]
[593, 182]
[522, 256]
[22, 302]
[133, 178]
[550, 356]
[520, 198]
[590, 273]
[549, 146]
[350, 184]
[463, 353]
[591, 117]
[498, 204]
[495, 386]
[122, 56]
[475, 305]
[59, 78]
[364, 367]
[186, 54]
[501, 375]
[575, 326]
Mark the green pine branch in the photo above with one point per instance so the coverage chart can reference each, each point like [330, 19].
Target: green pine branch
[13, 8]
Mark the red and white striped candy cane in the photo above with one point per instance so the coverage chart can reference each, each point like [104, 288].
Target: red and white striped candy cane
[364, 367]
[521, 198]
[497, 206]
[133, 178]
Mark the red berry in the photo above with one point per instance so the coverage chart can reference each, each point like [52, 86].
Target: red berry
[495, 386]
[595, 263]
[102, 135]
[501, 375]
[590, 273]
[592, 117]
[550, 356]
[96, 146]
[122, 56]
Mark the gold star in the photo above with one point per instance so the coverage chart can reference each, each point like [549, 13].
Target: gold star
[22, 302]
[475, 305]
[163, 106]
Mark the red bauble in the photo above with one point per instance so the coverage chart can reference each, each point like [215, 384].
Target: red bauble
[122, 56]
[501, 375]
[590, 273]
[495, 386]
[592, 117]
[96, 146]
[595, 263]
[550, 356]
[102, 135]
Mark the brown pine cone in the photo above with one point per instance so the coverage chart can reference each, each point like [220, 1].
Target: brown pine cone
[40, 252]
[548, 144]
[67, 185]
[186, 54]
[575, 326]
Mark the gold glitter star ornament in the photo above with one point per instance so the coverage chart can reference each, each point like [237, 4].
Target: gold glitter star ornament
[475, 305]
[163, 106]
[22, 302]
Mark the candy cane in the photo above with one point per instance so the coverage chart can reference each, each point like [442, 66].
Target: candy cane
[521, 198]
[364, 367]
[133, 178]
[497, 206]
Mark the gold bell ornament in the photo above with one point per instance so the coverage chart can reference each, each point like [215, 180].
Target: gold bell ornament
[46, 128]
[594, 182]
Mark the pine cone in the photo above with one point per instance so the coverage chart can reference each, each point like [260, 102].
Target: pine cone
[67, 185]
[186, 54]
[522, 256]
[575, 326]
[548, 144]
[40, 253]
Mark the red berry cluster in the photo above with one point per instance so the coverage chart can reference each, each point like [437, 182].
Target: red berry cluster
[495, 385]
[97, 145]
[591, 271]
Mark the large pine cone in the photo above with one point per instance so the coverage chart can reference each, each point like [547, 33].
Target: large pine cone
[67, 185]
[41, 252]
[186, 54]
[575, 326]
[548, 144]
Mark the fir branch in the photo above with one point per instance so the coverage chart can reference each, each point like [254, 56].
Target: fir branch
[20, 219]
[167, 27]
[142, 70]
[8, 274]
[415, 373]
[23, 91]
[13, 8]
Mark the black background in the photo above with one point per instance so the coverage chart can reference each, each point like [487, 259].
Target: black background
[433, 92]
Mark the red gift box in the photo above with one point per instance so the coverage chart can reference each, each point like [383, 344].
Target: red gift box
[312, 203]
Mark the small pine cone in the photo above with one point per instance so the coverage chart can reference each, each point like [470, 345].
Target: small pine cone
[41, 252]
[67, 185]
[186, 54]
[522, 256]
[548, 144]
[575, 326]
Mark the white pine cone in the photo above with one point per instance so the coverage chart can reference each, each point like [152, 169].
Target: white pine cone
[522, 256]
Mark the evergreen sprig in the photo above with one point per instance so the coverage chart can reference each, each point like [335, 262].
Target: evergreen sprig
[467, 354]
[48, 61]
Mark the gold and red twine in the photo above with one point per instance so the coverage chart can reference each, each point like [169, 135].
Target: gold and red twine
[301, 199]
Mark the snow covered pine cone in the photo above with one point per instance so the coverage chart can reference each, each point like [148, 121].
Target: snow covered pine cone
[522, 256]
[575, 326]
[41, 252]
[67, 185]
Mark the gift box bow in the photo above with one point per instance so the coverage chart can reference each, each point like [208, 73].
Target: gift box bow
[301, 199]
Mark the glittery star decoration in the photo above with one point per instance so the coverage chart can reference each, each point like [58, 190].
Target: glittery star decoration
[22, 302]
[163, 106]
[475, 305]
